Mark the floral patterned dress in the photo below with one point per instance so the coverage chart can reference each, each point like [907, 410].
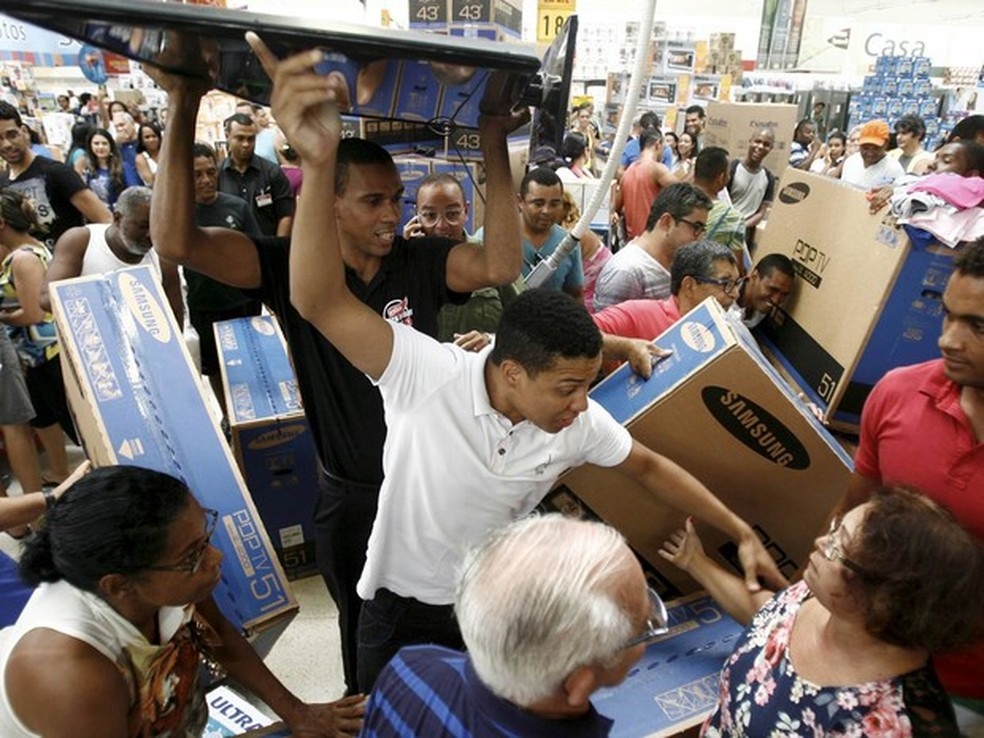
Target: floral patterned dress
[762, 696]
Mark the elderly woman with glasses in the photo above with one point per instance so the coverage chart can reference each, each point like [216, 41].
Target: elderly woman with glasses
[846, 651]
[111, 641]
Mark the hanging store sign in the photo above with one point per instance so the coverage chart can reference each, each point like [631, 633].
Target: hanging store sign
[551, 16]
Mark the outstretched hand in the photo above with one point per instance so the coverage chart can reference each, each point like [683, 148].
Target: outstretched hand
[497, 108]
[683, 547]
[305, 102]
[80, 471]
[756, 562]
[329, 720]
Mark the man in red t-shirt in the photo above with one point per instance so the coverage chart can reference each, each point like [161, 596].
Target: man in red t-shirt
[642, 182]
[923, 427]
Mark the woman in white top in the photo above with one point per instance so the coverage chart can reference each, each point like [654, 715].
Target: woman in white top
[148, 149]
[687, 148]
[575, 154]
[670, 143]
[109, 645]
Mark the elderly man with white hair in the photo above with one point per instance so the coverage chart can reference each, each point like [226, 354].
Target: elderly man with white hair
[551, 609]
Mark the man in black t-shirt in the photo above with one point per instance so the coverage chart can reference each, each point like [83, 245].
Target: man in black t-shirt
[59, 195]
[404, 283]
[210, 301]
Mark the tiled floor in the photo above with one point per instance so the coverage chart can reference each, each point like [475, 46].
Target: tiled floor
[307, 658]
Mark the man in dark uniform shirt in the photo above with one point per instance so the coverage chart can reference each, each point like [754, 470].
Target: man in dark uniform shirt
[261, 183]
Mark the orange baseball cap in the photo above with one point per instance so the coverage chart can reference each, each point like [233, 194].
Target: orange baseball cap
[875, 132]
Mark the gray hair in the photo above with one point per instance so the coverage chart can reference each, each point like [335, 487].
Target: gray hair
[697, 260]
[132, 197]
[537, 601]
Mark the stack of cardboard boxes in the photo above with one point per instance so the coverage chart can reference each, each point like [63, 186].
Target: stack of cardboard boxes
[899, 86]
[271, 438]
[722, 57]
[497, 20]
[732, 125]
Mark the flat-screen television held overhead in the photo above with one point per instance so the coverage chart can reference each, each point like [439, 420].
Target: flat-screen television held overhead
[431, 84]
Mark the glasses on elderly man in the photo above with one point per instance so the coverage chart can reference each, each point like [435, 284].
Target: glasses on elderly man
[728, 285]
[431, 218]
[830, 548]
[656, 623]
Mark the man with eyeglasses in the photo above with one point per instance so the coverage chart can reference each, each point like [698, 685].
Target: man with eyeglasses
[551, 610]
[60, 197]
[642, 268]
[922, 426]
[442, 211]
[700, 270]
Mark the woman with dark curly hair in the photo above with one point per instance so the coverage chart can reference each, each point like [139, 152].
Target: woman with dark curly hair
[110, 643]
[846, 651]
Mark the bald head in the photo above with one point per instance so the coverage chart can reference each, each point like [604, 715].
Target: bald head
[760, 146]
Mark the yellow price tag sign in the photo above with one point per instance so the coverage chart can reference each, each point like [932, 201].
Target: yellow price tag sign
[551, 16]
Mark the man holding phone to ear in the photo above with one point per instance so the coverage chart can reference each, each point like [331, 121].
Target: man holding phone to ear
[442, 212]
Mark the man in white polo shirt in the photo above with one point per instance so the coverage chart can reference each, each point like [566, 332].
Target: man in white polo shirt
[475, 440]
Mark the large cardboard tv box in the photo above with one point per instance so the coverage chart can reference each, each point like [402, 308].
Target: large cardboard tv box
[719, 409]
[733, 125]
[137, 399]
[271, 438]
[866, 300]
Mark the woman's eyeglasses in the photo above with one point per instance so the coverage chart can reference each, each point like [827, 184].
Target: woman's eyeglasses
[830, 548]
[193, 560]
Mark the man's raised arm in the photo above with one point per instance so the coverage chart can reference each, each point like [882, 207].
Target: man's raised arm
[221, 253]
[306, 105]
[499, 259]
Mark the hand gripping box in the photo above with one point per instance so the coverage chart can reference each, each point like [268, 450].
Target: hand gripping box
[722, 412]
[732, 125]
[137, 399]
[271, 438]
[866, 299]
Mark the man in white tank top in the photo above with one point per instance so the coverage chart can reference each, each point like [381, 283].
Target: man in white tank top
[99, 248]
